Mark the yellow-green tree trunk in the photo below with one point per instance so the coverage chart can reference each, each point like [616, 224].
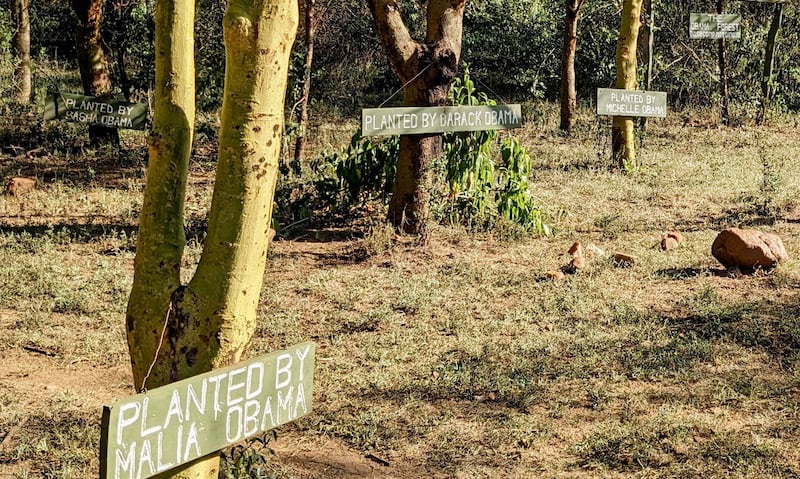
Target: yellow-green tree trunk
[622, 135]
[177, 331]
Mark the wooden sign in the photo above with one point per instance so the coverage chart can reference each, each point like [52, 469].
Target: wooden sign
[95, 111]
[714, 26]
[422, 120]
[615, 102]
[156, 431]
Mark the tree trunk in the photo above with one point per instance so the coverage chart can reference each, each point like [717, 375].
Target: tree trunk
[622, 136]
[769, 60]
[310, 34]
[723, 72]
[648, 34]
[569, 94]
[426, 71]
[92, 62]
[177, 331]
[21, 43]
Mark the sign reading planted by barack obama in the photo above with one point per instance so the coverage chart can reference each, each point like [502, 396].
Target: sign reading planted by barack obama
[439, 119]
[614, 102]
[95, 111]
[156, 431]
[715, 26]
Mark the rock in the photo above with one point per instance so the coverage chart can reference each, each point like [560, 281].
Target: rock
[554, 275]
[676, 235]
[578, 262]
[622, 260]
[669, 243]
[748, 249]
[20, 185]
[575, 250]
[595, 250]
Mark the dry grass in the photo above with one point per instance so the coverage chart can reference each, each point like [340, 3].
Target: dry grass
[458, 359]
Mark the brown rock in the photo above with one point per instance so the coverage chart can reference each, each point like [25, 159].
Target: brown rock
[575, 250]
[676, 235]
[20, 185]
[669, 243]
[622, 260]
[748, 249]
[554, 275]
[578, 262]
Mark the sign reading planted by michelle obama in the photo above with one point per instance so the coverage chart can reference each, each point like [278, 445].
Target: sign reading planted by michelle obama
[156, 431]
[439, 119]
[614, 102]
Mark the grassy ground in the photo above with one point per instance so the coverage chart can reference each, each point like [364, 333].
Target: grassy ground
[456, 359]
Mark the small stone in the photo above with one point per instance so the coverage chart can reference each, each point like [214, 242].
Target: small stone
[575, 250]
[554, 275]
[748, 249]
[669, 243]
[622, 260]
[595, 250]
[20, 185]
[676, 235]
[578, 262]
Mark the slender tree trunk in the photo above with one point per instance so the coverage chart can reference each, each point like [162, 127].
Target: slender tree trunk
[723, 72]
[310, 34]
[21, 42]
[569, 94]
[426, 71]
[176, 331]
[92, 62]
[769, 60]
[648, 34]
[622, 134]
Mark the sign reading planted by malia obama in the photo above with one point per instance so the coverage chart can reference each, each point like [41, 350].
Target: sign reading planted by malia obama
[95, 111]
[615, 102]
[438, 119]
[714, 26]
[159, 430]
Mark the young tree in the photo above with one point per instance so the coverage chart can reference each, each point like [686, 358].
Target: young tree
[622, 138]
[178, 330]
[21, 45]
[769, 60]
[310, 23]
[92, 61]
[569, 95]
[426, 70]
[722, 53]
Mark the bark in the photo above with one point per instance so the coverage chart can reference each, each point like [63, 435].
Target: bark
[21, 43]
[723, 72]
[310, 34]
[176, 331]
[769, 60]
[622, 137]
[426, 70]
[648, 37]
[92, 61]
[569, 94]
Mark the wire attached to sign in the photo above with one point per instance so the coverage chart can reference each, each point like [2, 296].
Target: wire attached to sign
[405, 85]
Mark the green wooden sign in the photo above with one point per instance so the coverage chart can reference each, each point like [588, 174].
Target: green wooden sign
[95, 111]
[714, 26]
[156, 431]
[422, 120]
[614, 102]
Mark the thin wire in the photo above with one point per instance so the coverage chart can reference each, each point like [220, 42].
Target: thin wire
[405, 84]
[158, 349]
[489, 88]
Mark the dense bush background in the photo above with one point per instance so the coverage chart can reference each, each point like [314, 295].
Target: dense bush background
[513, 48]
